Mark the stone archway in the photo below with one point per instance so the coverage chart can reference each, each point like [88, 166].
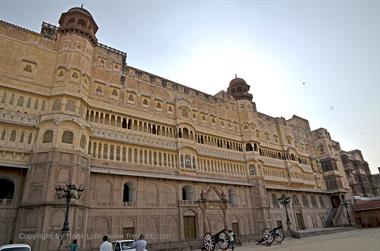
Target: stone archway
[213, 203]
[335, 201]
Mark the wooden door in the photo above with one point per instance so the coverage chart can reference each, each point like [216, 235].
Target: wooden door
[189, 227]
[235, 228]
[301, 224]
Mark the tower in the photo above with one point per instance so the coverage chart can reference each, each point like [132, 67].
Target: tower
[59, 156]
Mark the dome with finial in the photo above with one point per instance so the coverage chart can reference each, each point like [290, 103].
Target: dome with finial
[237, 81]
[80, 9]
[238, 88]
[80, 21]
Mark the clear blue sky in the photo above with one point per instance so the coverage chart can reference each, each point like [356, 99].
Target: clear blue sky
[276, 46]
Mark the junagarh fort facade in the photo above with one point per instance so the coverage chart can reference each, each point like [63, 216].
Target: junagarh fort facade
[153, 156]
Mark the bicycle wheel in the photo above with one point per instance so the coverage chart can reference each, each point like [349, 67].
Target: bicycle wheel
[279, 235]
[208, 242]
[223, 241]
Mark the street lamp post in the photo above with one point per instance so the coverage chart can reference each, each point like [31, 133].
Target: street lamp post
[284, 200]
[345, 204]
[68, 192]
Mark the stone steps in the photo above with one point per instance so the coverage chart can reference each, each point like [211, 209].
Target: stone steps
[321, 231]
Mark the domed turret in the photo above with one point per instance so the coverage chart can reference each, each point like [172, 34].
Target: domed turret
[80, 21]
[238, 88]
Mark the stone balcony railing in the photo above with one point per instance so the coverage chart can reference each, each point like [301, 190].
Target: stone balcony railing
[129, 203]
[6, 202]
[186, 203]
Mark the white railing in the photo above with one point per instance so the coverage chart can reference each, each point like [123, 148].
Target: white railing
[6, 202]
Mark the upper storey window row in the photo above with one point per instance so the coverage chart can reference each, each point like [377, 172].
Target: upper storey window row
[282, 156]
[21, 102]
[16, 137]
[108, 64]
[209, 120]
[329, 165]
[201, 138]
[130, 123]
[131, 98]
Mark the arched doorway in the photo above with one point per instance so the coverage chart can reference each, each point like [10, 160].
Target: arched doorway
[335, 201]
[190, 225]
[299, 219]
[7, 190]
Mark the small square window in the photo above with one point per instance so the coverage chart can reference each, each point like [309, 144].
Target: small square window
[101, 62]
[158, 106]
[170, 109]
[131, 99]
[145, 102]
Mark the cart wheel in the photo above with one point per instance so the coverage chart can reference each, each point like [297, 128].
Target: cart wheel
[279, 235]
[270, 239]
[208, 242]
[268, 236]
[223, 241]
[266, 233]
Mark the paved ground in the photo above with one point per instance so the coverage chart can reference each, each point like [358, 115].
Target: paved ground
[356, 240]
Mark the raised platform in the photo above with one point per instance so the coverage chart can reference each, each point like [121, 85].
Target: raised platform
[320, 231]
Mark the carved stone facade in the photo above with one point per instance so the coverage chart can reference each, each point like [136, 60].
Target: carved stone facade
[154, 156]
[359, 176]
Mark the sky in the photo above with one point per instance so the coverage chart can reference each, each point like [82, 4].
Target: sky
[317, 59]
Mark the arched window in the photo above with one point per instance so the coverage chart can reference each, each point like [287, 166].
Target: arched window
[131, 99]
[304, 201]
[275, 201]
[70, 106]
[48, 137]
[145, 102]
[295, 200]
[99, 91]
[3, 134]
[185, 113]
[28, 68]
[314, 201]
[74, 75]
[7, 189]
[187, 193]
[322, 202]
[56, 105]
[20, 101]
[114, 93]
[248, 147]
[67, 137]
[12, 138]
[83, 142]
[30, 138]
[185, 133]
[129, 192]
[82, 22]
[232, 197]
[158, 106]
[170, 108]
[255, 147]
[22, 137]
